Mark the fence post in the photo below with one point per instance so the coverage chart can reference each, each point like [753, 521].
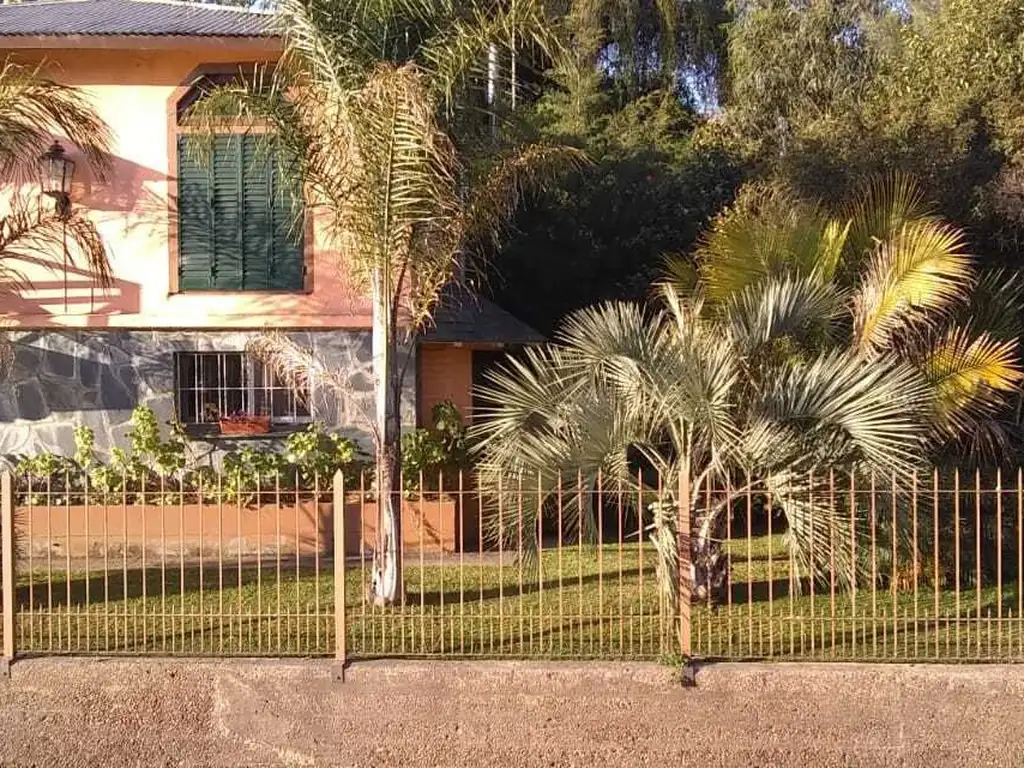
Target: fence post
[683, 575]
[340, 639]
[7, 575]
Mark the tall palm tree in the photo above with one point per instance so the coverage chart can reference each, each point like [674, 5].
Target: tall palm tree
[34, 109]
[369, 107]
[802, 341]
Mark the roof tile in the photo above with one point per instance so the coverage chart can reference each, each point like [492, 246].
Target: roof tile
[132, 17]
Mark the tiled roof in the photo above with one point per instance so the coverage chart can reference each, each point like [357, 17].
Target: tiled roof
[465, 317]
[131, 17]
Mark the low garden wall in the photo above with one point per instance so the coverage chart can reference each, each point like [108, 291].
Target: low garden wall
[442, 524]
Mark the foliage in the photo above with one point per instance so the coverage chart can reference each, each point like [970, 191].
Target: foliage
[163, 470]
[825, 94]
[806, 342]
[432, 458]
[604, 233]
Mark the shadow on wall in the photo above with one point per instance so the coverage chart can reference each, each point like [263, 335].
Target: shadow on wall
[58, 371]
[132, 198]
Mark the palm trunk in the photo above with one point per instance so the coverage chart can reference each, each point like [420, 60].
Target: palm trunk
[710, 563]
[386, 583]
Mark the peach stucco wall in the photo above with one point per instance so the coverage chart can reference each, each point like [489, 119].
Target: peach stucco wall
[132, 90]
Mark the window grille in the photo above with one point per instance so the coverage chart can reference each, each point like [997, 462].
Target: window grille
[210, 385]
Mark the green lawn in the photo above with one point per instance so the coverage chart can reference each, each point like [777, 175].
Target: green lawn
[574, 602]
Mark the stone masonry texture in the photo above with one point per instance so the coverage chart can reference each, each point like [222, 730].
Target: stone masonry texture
[96, 377]
[149, 712]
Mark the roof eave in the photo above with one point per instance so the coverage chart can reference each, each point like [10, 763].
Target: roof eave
[269, 44]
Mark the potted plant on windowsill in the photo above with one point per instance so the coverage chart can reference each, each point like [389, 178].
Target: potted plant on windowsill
[242, 423]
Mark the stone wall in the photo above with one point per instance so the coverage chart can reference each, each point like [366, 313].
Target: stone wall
[96, 377]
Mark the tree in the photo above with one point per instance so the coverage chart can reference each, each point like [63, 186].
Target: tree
[826, 94]
[381, 112]
[803, 341]
[34, 109]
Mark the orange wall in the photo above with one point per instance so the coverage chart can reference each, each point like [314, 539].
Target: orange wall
[445, 373]
[132, 90]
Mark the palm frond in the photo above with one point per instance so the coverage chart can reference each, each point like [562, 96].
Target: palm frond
[508, 180]
[880, 210]
[817, 527]
[460, 52]
[970, 374]
[995, 306]
[299, 369]
[768, 231]
[34, 109]
[782, 306]
[32, 232]
[913, 277]
[853, 410]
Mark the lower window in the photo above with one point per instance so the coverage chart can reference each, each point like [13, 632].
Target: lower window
[212, 385]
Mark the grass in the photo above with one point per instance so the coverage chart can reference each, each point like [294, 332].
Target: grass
[581, 602]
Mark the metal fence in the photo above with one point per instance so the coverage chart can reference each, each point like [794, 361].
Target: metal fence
[838, 566]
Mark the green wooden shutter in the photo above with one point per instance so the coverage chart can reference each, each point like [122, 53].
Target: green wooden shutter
[236, 221]
[228, 234]
[195, 222]
[257, 226]
[288, 269]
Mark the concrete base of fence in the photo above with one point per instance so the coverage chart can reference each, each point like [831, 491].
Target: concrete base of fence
[480, 715]
[205, 530]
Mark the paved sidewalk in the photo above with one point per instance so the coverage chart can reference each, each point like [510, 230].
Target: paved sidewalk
[81, 712]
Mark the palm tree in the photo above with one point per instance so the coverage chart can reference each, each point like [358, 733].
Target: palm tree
[801, 342]
[378, 110]
[33, 110]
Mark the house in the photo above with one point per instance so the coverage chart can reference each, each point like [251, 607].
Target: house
[202, 258]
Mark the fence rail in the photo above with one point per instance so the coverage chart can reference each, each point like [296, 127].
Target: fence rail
[925, 567]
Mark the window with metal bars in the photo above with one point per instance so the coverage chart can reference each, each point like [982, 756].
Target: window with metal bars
[211, 385]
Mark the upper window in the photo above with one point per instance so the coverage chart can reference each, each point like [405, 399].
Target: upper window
[236, 227]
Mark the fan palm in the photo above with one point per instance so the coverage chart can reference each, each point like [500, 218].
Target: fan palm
[367, 107]
[807, 342]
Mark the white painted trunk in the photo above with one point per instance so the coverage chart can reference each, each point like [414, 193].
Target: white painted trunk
[386, 580]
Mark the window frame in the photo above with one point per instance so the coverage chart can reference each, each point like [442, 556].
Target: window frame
[196, 80]
[248, 369]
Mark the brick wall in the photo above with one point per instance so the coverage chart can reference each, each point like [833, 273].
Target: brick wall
[445, 373]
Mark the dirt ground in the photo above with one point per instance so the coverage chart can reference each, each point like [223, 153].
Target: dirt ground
[79, 712]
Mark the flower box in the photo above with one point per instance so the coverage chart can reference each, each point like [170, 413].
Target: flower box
[244, 425]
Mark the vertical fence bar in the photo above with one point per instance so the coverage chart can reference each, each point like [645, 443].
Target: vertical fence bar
[832, 561]
[956, 549]
[340, 638]
[894, 577]
[683, 564]
[874, 567]
[977, 557]
[750, 563]
[769, 506]
[579, 559]
[853, 558]
[7, 561]
[812, 569]
[999, 550]
[1020, 554]
[728, 556]
[914, 566]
